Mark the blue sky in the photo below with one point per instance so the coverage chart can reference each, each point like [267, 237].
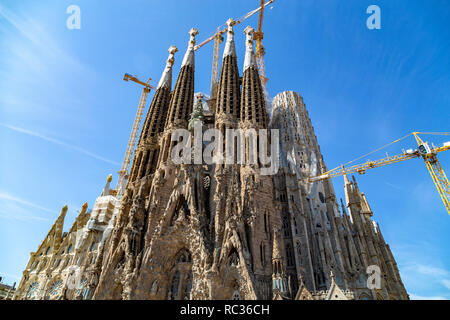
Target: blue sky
[66, 113]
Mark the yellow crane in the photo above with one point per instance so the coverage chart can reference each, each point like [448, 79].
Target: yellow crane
[123, 173]
[218, 39]
[258, 36]
[428, 154]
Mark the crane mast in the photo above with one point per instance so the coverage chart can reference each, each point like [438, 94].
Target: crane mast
[123, 173]
[428, 154]
[258, 36]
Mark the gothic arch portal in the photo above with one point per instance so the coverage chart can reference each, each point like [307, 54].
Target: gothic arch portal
[180, 276]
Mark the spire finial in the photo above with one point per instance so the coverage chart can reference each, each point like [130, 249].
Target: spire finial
[229, 45]
[193, 32]
[166, 77]
[172, 50]
[249, 54]
[248, 33]
[230, 23]
[105, 191]
[346, 181]
[189, 56]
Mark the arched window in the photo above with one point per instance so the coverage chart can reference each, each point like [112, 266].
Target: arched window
[47, 251]
[266, 229]
[55, 289]
[92, 246]
[262, 252]
[69, 249]
[173, 294]
[321, 197]
[236, 295]
[188, 286]
[181, 282]
[286, 230]
[289, 256]
[33, 290]
[233, 257]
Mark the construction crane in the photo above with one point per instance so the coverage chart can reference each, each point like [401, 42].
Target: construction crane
[258, 36]
[428, 154]
[218, 39]
[123, 173]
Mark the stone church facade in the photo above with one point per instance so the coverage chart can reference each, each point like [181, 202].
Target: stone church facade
[64, 262]
[218, 231]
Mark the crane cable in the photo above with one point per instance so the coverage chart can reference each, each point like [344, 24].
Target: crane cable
[391, 143]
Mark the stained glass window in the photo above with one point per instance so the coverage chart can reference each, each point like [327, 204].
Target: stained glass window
[33, 290]
[55, 288]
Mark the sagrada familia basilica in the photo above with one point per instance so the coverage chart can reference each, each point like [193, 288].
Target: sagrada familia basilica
[219, 231]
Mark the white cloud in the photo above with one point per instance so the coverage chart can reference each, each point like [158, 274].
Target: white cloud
[59, 142]
[9, 197]
[446, 283]
[15, 208]
[432, 271]
[34, 32]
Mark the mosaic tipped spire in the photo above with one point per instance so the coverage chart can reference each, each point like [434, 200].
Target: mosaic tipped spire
[189, 57]
[166, 77]
[230, 48]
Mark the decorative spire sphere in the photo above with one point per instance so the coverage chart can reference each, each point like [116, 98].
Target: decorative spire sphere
[109, 179]
[249, 30]
[173, 49]
[65, 208]
[193, 32]
[230, 23]
[84, 206]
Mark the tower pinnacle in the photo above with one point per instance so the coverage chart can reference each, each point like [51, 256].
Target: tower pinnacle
[166, 77]
[229, 45]
[249, 53]
[189, 56]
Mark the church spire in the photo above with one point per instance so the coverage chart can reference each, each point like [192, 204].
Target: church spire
[189, 57]
[145, 160]
[279, 280]
[253, 110]
[58, 227]
[183, 96]
[156, 116]
[230, 48]
[250, 60]
[229, 92]
[166, 77]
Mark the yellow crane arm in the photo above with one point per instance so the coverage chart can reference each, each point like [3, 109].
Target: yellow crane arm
[428, 154]
[361, 168]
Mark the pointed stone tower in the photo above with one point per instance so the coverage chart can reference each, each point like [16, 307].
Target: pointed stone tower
[253, 110]
[124, 248]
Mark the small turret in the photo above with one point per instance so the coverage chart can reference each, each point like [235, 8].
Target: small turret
[279, 280]
[107, 187]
